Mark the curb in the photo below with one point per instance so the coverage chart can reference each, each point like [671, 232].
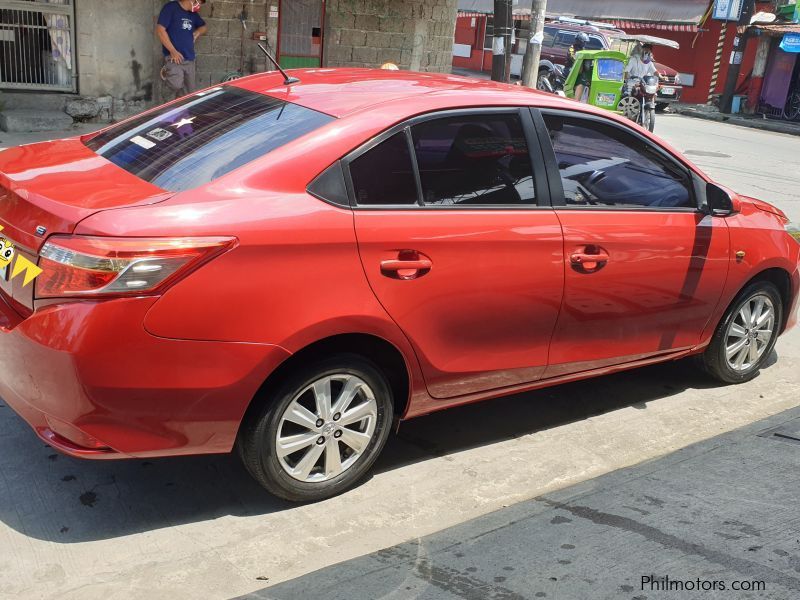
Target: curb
[751, 122]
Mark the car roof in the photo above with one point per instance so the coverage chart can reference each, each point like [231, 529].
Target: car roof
[342, 92]
[567, 26]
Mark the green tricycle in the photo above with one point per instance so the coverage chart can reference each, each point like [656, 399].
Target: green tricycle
[598, 76]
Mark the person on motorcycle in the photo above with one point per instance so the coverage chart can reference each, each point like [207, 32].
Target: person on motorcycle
[641, 62]
[579, 44]
[583, 81]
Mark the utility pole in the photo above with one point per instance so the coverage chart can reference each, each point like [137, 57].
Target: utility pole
[501, 40]
[533, 52]
[739, 45]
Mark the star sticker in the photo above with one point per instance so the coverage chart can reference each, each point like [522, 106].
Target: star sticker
[183, 122]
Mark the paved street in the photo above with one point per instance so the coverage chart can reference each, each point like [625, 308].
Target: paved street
[757, 163]
[716, 520]
[199, 527]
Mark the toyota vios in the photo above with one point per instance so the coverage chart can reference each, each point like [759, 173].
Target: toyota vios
[289, 269]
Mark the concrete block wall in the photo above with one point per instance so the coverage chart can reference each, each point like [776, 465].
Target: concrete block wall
[227, 48]
[414, 34]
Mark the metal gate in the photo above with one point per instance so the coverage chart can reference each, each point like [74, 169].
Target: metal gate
[300, 33]
[37, 45]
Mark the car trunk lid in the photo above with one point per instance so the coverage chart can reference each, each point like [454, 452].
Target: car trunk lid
[49, 188]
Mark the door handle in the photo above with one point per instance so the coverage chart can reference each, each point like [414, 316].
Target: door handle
[408, 265]
[401, 265]
[589, 259]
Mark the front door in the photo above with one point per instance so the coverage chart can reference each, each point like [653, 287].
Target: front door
[644, 267]
[300, 33]
[457, 249]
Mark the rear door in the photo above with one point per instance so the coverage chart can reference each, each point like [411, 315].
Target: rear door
[644, 267]
[460, 246]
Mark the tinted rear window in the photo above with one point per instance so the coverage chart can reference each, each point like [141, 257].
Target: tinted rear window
[204, 136]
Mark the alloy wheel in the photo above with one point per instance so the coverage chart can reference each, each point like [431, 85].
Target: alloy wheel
[793, 106]
[326, 428]
[750, 332]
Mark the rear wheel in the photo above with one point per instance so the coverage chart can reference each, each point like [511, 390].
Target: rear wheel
[320, 431]
[543, 81]
[746, 336]
[630, 107]
[793, 106]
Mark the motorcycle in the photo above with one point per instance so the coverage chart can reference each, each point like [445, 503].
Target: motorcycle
[638, 102]
[552, 79]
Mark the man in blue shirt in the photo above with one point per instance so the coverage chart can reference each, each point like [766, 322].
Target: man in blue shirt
[179, 26]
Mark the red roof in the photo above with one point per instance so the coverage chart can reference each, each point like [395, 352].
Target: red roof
[340, 92]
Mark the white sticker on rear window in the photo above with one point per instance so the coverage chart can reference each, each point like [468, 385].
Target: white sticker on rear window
[159, 134]
[140, 141]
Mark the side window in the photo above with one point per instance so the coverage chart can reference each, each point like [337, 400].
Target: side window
[594, 43]
[602, 165]
[489, 36]
[549, 36]
[474, 160]
[384, 175]
[565, 39]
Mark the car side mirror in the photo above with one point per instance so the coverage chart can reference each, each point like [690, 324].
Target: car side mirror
[720, 202]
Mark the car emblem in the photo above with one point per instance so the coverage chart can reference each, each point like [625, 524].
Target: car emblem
[41, 230]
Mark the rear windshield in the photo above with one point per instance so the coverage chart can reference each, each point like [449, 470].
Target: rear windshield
[204, 136]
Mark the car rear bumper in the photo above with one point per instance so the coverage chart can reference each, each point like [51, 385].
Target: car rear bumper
[94, 384]
[662, 98]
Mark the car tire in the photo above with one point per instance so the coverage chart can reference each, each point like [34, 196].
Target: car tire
[745, 362]
[662, 107]
[542, 81]
[267, 436]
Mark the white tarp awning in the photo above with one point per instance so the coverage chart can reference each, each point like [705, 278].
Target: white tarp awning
[685, 12]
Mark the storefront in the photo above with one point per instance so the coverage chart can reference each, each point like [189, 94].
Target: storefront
[780, 93]
[705, 44]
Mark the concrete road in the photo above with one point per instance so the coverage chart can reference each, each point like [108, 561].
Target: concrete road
[198, 527]
[716, 521]
[752, 162]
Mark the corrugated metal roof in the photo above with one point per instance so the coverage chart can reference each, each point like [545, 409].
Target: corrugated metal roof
[779, 28]
[657, 11]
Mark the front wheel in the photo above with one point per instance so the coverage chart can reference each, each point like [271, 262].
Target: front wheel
[649, 119]
[320, 431]
[746, 336]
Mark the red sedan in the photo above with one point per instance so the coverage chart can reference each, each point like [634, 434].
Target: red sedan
[288, 269]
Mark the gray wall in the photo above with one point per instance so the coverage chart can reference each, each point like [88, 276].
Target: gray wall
[222, 49]
[120, 57]
[414, 34]
[115, 45]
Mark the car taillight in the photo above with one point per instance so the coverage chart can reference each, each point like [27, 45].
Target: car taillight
[99, 266]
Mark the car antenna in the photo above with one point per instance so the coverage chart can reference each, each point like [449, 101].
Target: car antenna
[287, 80]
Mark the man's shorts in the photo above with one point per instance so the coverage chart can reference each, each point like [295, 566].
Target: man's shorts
[180, 78]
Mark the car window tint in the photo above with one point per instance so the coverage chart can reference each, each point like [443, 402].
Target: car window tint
[594, 43]
[602, 165]
[384, 175]
[474, 160]
[549, 36]
[204, 136]
[565, 39]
